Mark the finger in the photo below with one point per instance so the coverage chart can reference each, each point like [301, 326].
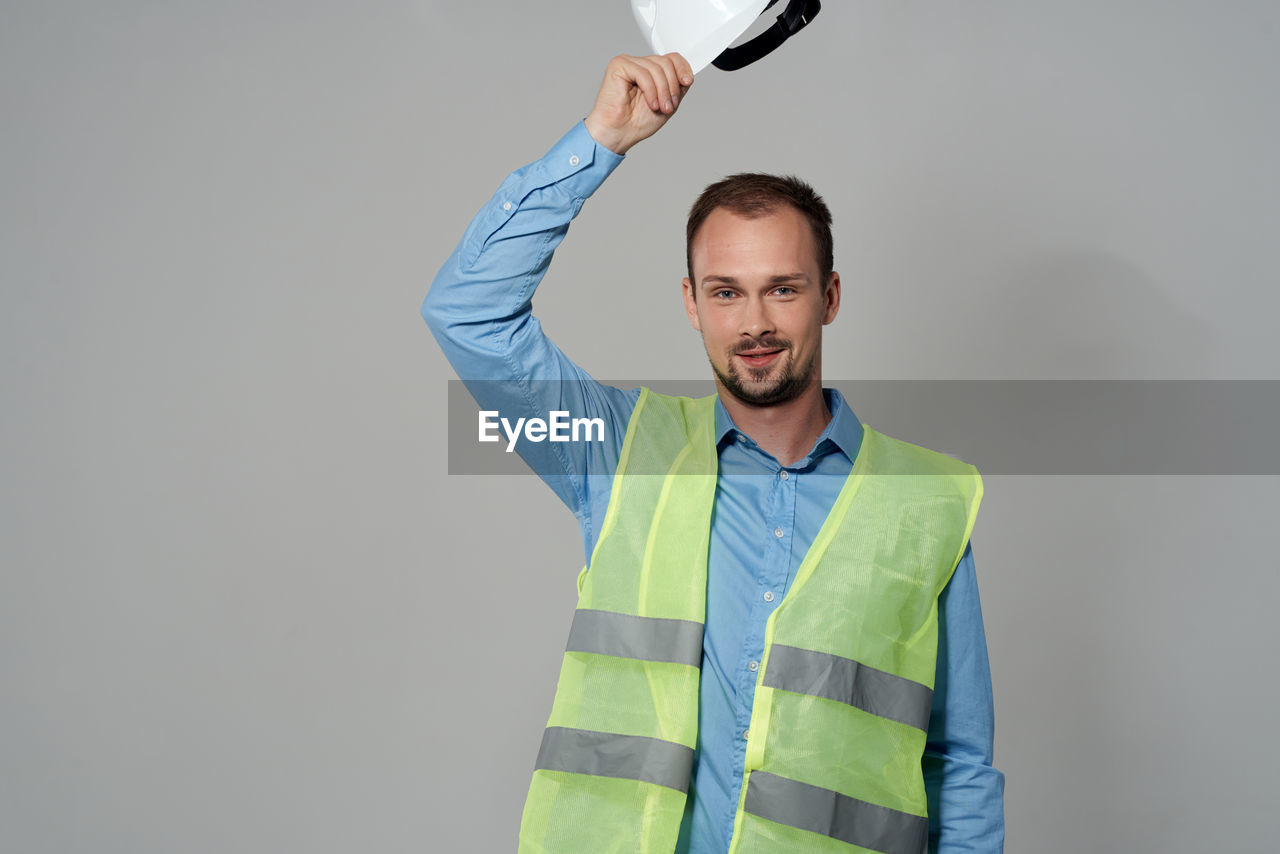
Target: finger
[684, 68]
[660, 82]
[649, 71]
[635, 73]
[668, 67]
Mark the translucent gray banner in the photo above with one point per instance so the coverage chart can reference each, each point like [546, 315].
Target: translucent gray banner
[1039, 427]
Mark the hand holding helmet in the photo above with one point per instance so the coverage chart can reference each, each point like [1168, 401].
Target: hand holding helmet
[638, 95]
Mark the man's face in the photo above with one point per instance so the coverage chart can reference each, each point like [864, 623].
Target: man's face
[760, 304]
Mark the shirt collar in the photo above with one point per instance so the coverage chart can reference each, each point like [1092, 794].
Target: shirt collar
[842, 433]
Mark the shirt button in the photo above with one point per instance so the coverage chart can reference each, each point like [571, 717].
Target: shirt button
[742, 438]
[573, 160]
[753, 666]
[768, 596]
[784, 474]
[507, 206]
[779, 533]
[746, 733]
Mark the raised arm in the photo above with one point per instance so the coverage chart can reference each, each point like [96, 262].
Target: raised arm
[479, 306]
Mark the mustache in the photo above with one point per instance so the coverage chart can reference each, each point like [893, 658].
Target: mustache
[768, 342]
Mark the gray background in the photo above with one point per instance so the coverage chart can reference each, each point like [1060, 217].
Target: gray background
[243, 608]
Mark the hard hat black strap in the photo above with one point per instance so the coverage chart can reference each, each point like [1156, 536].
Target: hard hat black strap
[791, 21]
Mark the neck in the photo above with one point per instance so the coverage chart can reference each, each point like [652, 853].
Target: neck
[785, 430]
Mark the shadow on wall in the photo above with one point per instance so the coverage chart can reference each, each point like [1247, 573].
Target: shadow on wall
[1091, 315]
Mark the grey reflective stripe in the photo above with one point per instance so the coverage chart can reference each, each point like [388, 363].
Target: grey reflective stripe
[629, 636]
[832, 814]
[606, 754]
[844, 680]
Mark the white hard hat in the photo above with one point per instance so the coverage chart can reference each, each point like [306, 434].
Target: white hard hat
[703, 30]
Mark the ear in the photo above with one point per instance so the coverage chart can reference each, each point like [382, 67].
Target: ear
[691, 304]
[831, 299]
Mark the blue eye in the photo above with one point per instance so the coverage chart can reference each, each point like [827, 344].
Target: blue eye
[723, 294]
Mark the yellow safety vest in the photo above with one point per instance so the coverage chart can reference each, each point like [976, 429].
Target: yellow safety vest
[844, 688]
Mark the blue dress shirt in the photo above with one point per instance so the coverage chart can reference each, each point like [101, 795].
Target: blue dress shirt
[765, 516]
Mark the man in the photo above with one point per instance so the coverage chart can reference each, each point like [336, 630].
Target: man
[759, 627]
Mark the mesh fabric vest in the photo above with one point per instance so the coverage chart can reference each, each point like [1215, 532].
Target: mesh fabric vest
[844, 687]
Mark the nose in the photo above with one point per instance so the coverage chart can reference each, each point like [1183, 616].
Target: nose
[756, 321]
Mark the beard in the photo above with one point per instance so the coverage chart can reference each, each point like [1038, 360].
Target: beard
[788, 384]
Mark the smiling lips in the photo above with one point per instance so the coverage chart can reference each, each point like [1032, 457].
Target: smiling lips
[759, 358]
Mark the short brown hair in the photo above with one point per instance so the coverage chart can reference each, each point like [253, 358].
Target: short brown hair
[755, 194]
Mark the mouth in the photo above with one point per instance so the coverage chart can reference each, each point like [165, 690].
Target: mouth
[759, 358]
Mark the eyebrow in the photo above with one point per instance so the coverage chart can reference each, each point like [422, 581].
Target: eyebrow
[773, 280]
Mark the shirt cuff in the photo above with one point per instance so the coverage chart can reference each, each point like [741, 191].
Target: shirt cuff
[579, 164]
